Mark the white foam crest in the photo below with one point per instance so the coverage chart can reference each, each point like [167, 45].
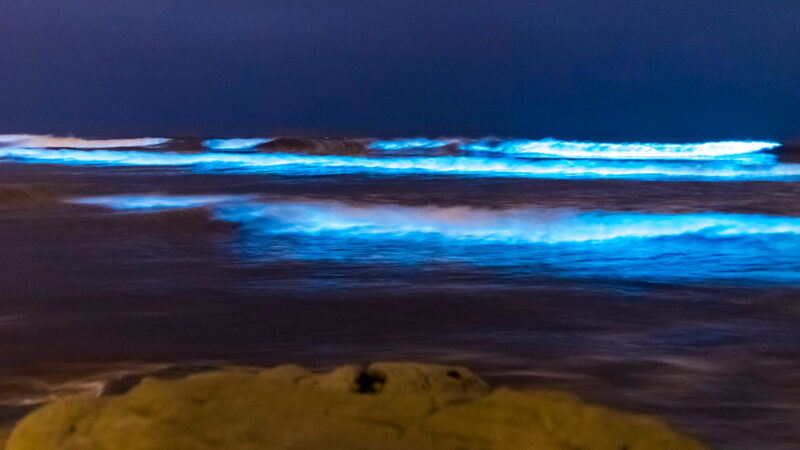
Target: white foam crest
[552, 148]
[297, 164]
[47, 141]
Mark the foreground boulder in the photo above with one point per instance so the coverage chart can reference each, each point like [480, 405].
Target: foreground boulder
[402, 406]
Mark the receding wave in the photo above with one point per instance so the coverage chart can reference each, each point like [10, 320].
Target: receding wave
[47, 141]
[157, 213]
[296, 164]
[525, 242]
[153, 202]
[25, 391]
[523, 225]
[513, 225]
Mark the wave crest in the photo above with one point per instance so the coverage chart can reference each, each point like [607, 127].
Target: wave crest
[534, 225]
[522, 242]
[299, 164]
[517, 225]
[47, 141]
[234, 143]
[551, 148]
[322, 147]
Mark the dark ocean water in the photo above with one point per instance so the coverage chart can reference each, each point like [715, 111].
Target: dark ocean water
[661, 279]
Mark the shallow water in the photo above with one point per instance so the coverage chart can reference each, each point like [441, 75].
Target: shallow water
[662, 279]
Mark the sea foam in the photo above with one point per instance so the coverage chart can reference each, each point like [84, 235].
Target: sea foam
[47, 141]
[466, 166]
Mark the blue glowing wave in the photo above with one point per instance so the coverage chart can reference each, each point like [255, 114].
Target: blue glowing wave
[551, 148]
[521, 225]
[737, 248]
[513, 225]
[153, 202]
[296, 164]
[234, 144]
[409, 144]
[547, 148]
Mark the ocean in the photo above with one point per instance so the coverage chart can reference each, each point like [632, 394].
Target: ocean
[659, 278]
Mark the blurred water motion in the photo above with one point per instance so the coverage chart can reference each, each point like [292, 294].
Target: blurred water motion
[659, 278]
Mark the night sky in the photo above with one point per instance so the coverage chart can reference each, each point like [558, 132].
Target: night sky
[671, 70]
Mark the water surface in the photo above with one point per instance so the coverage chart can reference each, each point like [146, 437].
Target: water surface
[660, 278]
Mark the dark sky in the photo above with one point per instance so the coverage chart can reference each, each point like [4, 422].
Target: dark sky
[589, 69]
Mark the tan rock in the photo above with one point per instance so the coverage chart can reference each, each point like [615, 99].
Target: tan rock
[387, 406]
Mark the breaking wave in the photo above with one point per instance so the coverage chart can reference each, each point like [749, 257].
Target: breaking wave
[738, 248]
[525, 241]
[552, 148]
[416, 143]
[545, 148]
[234, 144]
[523, 225]
[512, 225]
[298, 164]
[47, 141]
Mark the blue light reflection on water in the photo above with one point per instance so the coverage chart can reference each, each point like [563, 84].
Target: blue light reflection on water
[234, 144]
[408, 144]
[734, 248]
[152, 202]
[296, 164]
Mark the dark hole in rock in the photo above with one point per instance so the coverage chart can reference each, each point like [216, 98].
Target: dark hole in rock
[369, 383]
[454, 374]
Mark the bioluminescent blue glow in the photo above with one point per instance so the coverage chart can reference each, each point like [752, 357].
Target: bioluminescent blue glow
[406, 144]
[152, 202]
[519, 225]
[46, 141]
[527, 242]
[551, 148]
[234, 144]
[546, 148]
[298, 164]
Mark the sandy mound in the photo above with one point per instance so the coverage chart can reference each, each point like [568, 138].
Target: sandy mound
[387, 406]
